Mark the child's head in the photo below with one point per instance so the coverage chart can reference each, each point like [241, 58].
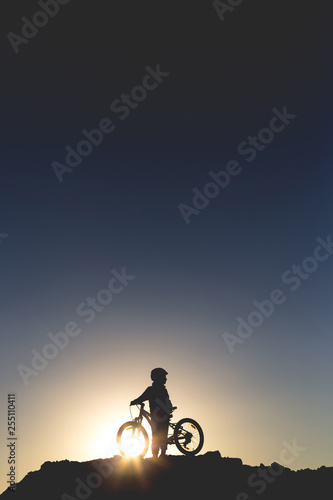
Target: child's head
[158, 375]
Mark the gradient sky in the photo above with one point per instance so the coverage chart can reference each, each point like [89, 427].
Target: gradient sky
[119, 208]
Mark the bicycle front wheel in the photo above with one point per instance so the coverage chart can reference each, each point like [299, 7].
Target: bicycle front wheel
[189, 437]
[132, 440]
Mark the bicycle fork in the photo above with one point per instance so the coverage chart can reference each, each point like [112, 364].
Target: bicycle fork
[135, 427]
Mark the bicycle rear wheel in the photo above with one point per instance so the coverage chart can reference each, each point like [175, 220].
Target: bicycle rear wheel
[132, 440]
[189, 437]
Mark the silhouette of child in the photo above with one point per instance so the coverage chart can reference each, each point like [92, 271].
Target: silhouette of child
[160, 409]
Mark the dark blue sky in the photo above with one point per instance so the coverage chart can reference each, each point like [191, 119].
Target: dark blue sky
[120, 208]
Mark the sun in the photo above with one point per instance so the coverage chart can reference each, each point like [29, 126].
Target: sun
[102, 443]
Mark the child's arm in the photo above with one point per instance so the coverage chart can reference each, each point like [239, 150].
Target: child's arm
[144, 396]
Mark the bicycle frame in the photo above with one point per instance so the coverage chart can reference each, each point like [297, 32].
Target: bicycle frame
[145, 414]
[186, 434]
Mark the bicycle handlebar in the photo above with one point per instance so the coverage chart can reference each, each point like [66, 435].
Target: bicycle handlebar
[143, 405]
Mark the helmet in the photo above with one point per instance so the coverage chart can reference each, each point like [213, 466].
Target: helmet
[157, 373]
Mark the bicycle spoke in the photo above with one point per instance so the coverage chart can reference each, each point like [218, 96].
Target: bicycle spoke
[189, 428]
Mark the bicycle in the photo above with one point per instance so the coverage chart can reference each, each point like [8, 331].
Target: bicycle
[133, 440]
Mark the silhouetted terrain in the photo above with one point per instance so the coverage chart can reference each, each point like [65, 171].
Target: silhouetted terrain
[206, 476]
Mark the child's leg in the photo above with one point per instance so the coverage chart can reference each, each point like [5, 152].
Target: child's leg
[155, 439]
[163, 436]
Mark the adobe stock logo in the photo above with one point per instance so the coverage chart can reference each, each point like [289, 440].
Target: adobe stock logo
[123, 107]
[84, 489]
[264, 476]
[30, 28]
[87, 309]
[250, 148]
[227, 6]
[293, 278]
